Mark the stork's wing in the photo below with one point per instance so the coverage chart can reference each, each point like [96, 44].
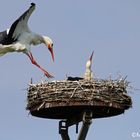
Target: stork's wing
[20, 25]
[3, 37]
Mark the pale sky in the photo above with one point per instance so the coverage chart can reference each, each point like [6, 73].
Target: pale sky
[109, 27]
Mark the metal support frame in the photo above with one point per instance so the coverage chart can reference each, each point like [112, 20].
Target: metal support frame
[63, 130]
[65, 124]
[87, 120]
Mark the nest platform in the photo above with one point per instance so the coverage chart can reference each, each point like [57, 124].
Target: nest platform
[67, 99]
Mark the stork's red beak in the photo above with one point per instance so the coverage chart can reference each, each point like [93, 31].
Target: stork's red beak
[51, 51]
[91, 56]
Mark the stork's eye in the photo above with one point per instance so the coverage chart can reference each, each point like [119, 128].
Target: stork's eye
[52, 44]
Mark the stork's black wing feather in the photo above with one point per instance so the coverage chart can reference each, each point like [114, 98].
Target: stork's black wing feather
[20, 25]
[74, 78]
[3, 37]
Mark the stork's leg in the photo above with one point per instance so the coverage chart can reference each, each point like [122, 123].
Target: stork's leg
[35, 63]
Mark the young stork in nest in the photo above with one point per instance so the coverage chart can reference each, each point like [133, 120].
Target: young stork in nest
[19, 38]
[88, 74]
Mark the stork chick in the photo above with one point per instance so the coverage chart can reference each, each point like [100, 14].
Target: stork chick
[88, 74]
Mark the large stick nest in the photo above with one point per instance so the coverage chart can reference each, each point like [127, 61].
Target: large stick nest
[105, 93]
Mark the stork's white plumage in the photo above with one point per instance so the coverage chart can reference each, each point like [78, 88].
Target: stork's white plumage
[19, 38]
[88, 74]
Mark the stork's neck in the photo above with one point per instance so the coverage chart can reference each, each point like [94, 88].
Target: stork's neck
[88, 64]
[36, 39]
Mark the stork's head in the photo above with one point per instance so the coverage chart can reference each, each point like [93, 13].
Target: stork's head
[89, 62]
[48, 42]
[91, 56]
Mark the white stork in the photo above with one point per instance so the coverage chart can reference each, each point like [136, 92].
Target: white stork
[88, 74]
[19, 38]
